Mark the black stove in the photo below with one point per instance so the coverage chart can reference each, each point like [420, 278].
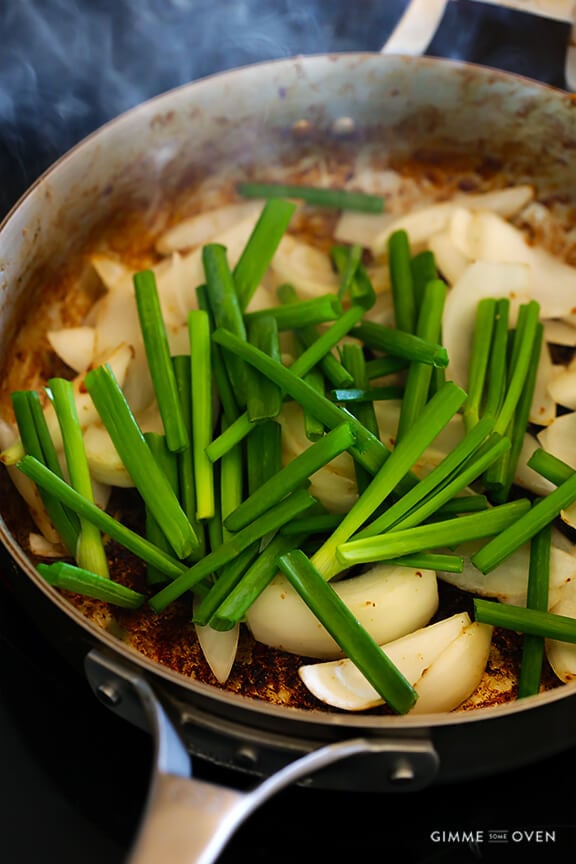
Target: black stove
[74, 776]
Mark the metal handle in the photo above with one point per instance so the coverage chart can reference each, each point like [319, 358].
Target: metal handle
[190, 821]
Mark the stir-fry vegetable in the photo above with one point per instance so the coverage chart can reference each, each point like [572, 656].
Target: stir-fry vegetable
[281, 435]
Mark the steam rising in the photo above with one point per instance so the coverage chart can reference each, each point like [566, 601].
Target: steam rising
[67, 66]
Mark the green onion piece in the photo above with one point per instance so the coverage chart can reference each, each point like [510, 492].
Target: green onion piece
[264, 398]
[168, 461]
[353, 360]
[533, 648]
[302, 313]
[132, 541]
[370, 395]
[546, 625]
[260, 248]
[368, 450]
[263, 454]
[479, 358]
[313, 524]
[523, 351]
[293, 475]
[550, 467]
[545, 510]
[497, 375]
[223, 386]
[347, 259]
[432, 483]
[379, 367]
[419, 375]
[233, 608]
[340, 199]
[292, 506]
[30, 420]
[451, 533]
[150, 481]
[228, 578]
[345, 629]
[226, 310]
[231, 485]
[431, 561]
[399, 265]
[314, 428]
[201, 382]
[423, 269]
[159, 362]
[463, 504]
[89, 553]
[81, 581]
[439, 410]
[399, 343]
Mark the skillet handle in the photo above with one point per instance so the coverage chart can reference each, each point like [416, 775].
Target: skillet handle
[190, 821]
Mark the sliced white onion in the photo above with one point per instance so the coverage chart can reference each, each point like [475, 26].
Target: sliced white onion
[388, 601]
[114, 274]
[219, 648]
[562, 655]
[205, 226]
[43, 548]
[560, 332]
[303, 266]
[562, 386]
[451, 262]
[340, 683]
[74, 345]
[103, 460]
[457, 672]
[543, 407]
[559, 436]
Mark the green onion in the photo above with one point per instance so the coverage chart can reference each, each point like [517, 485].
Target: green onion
[264, 398]
[81, 581]
[168, 461]
[36, 440]
[479, 359]
[430, 561]
[201, 383]
[275, 517]
[419, 375]
[263, 454]
[353, 360]
[301, 313]
[293, 475]
[550, 467]
[523, 350]
[370, 395]
[544, 511]
[132, 541]
[345, 629]
[233, 608]
[150, 481]
[159, 362]
[221, 380]
[314, 428]
[186, 487]
[439, 410]
[226, 309]
[400, 343]
[536, 598]
[228, 578]
[423, 270]
[379, 367]
[399, 264]
[368, 450]
[260, 248]
[231, 485]
[354, 278]
[451, 533]
[89, 553]
[340, 199]
[498, 361]
[546, 625]
[313, 524]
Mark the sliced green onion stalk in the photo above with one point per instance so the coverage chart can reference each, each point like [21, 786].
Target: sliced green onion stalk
[157, 349]
[314, 428]
[544, 511]
[354, 277]
[435, 535]
[294, 505]
[353, 360]
[148, 478]
[437, 413]
[169, 463]
[535, 622]
[231, 485]
[430, 561]
[550, 467]
[367, 396]
[131, 540]
[186, 486]
[90, 553]
[346, 630]
[533, 648]
[201, 384]
[401, 283]
[479, 359]
[225, 583]
[36, 441]
[379, 367]
[389, 340]
[302, 313]
[368, 450]
[522, 354]
[497, 375]
[339, 199]
[423, 269]
[223, 386]
[263, 454]
[260, 248]
[293, 475]
[69, 577]
[264, 398]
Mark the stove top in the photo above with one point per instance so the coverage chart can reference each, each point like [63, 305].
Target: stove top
[74, 776]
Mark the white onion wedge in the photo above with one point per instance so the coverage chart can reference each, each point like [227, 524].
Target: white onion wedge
[340, 683]
[304, 266]
[205, 226]
[74, 345]
[562, 655]
[103, 460]
[559, 436]
[457, 672]
[219, 648]
[388, 601]
[560, 332]
[562, 386]
[543, 407]
[451, 262]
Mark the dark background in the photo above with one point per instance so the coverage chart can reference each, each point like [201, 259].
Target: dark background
[73, 777]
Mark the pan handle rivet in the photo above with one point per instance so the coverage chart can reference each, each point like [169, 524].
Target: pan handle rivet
[109, 694]
[402, 772]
